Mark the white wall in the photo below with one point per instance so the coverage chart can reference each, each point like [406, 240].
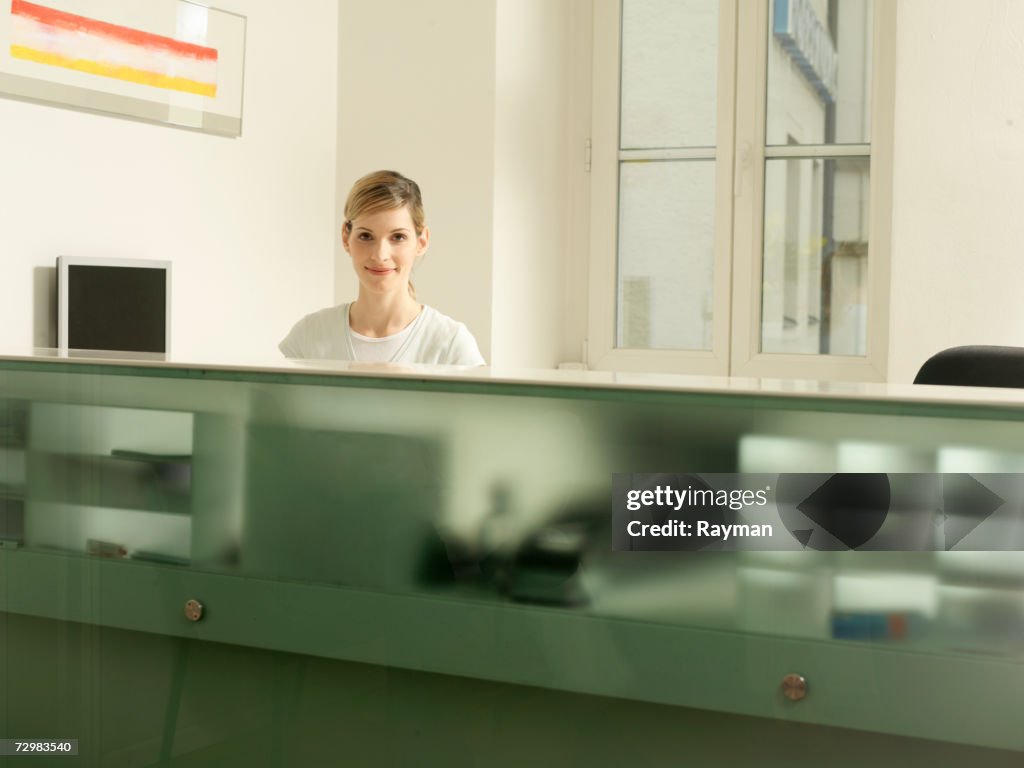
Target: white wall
[533, 158]
[248, 223]
[416, 95]
[958, 215]
[485, 103]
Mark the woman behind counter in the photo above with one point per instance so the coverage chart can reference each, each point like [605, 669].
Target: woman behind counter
[385, 233]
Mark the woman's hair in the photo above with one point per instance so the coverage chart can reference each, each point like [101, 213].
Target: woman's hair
[384, 191]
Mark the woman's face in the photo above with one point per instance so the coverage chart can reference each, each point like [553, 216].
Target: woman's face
[384, 248]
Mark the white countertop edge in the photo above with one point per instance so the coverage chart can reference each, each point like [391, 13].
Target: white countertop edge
[603, 380]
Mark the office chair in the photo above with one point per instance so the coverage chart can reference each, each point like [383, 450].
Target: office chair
[974, 366]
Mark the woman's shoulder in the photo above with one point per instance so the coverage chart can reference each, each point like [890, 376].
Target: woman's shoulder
[448, 341]
[439, 322]
[325, 315]
[319, 334]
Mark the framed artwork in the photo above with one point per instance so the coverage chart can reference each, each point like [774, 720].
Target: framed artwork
[165, 61]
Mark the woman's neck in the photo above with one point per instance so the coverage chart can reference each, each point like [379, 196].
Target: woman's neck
[378, 316]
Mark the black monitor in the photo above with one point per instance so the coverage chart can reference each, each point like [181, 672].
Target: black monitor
[113, 304]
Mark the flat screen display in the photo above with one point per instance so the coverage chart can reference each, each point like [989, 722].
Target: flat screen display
[116, 307]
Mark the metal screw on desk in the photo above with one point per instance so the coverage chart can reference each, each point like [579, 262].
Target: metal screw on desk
[193, 610]
[794, 687]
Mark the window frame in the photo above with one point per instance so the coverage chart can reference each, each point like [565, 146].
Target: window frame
[740, 155]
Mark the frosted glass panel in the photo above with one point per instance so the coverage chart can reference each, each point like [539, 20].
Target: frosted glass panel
[669, 73]
[815, 276]
[399, 487]
[819, 72]
[666, 254]
[295, 566]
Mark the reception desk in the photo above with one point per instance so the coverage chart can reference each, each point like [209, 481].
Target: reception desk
[305, 564]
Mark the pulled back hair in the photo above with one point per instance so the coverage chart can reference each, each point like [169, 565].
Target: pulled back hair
[385, 191]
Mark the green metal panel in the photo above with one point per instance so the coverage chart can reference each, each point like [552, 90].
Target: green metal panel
[138, 699]
[853, 685]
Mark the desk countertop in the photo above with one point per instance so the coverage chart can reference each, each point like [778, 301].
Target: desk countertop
[581, 379]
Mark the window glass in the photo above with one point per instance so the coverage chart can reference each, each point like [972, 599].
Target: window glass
[666, 247]
[669, 73]
[819, 73]
[814, 291]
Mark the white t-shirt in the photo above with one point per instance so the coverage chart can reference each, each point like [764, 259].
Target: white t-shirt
[383, 349]
[431, 338]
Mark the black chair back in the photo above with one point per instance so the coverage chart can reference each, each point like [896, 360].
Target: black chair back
[974, 366]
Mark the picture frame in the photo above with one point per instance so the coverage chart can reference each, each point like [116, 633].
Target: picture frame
[174, 62]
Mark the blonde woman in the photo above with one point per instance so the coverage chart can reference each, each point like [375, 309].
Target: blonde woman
[385, 233]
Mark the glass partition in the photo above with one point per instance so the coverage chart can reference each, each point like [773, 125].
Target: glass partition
[498, 495]
[482, 510]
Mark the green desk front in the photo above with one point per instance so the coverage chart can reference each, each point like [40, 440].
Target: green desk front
[355, 540]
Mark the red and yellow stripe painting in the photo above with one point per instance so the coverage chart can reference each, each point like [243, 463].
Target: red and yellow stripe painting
[59, 39]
